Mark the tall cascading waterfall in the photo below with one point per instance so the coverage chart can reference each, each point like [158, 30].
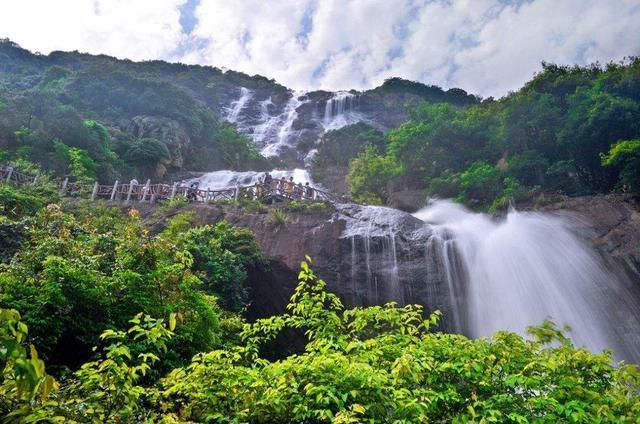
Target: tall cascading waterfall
[284, 125]
[526, 268]
[341, 110]
[233, 112]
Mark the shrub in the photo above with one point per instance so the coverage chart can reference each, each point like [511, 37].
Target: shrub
[625, 155]
[480, 184]
[277, 219]
[94, 272]
[369, 174]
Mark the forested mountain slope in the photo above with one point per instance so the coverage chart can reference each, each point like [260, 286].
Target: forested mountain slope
[143, 119]
[573, 130]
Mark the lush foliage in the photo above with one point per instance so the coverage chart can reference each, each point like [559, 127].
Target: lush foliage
[74, 275]
[625, 155]
[375, 364]
[369, 174]
[69, 109]
[223, 256]
[338, 147]
[95, 272]
[548, 136]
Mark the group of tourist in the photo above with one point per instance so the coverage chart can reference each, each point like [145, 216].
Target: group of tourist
[266, 186]
[283, 187]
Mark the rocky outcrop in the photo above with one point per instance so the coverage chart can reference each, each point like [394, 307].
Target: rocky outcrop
[367, 255]
[612, 225]
[171, 132]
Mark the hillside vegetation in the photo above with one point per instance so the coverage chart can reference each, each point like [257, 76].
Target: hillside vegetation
[573, 130]
[124, 119]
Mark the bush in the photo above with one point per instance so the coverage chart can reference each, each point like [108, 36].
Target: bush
[76, 277]
[625, 156]
[480, 184]
[277, 219]
[446, 186]
[223, 256]
[369, 174]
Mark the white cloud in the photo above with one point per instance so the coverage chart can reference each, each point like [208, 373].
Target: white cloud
[136, 29]
[484, 46]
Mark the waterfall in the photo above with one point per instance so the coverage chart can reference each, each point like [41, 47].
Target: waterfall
[528, 267]
[218, 180]
[284, 125]
[341, 110]
[233, 112]
[268, 127]
[373, 231]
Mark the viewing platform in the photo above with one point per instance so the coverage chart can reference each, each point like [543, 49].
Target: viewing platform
[273, 192]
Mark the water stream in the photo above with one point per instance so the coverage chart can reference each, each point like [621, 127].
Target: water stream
[218, 180]
[341, 110]
[526, 268]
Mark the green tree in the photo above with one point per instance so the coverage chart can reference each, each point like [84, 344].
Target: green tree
[77, 276]
[480, 184]
[625, 155]
[223, 257]
[369, 174]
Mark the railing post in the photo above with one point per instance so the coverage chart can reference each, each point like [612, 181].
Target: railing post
[145, 191]
[130, 191]
[64, 186]
[95, 191]
[208, 196]
[9, 173]
[113, 191]
[235, 196]
[35, 179]
[173, 190]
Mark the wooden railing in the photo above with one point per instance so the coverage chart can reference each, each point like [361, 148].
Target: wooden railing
[132, 191]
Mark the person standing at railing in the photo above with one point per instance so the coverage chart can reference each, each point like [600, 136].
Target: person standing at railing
[268, 182]
[298, 191]
[308, 191]
[289, 187]
[192, 192]
[282, 186]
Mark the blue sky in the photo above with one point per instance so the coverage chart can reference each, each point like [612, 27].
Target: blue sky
[488, 47]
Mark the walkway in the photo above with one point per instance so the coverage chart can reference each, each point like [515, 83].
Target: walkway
[277, 191]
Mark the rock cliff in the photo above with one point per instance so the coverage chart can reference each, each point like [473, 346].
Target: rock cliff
[372, 255]
[368, 255]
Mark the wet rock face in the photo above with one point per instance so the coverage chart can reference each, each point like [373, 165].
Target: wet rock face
[612, 225]
[385, 257]
[367, 255]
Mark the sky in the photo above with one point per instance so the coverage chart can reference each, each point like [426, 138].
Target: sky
[487, 47]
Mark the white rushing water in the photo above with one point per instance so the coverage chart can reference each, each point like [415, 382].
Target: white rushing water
[284, 125]
[236, 107]
[530, 267]
[341, 110]
[218, 180]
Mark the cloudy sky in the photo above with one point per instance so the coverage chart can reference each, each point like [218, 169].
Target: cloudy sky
[487, 47]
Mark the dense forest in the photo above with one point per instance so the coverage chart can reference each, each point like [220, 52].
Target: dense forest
[571, 130]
